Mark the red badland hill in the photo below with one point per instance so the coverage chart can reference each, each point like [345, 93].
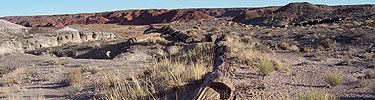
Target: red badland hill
[127, 17]
[134, 17]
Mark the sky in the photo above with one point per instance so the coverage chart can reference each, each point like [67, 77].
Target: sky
[50, 7]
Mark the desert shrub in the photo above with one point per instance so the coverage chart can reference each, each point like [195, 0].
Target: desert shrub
[307, 49]
[74, 89]
[284, 45]
[315, 95]
[192, 33]
[74, 80]
[5, 93]
[14, 77]
[293, 48]
[334, 79]
[40, 97]
[370, 73]
[91, 69]
[170, 74]
[248, 54]
[266, 66]
[162, 41]
[247, 40]
[6, 69]
[326, 43]
[368, 55]
[368, 22]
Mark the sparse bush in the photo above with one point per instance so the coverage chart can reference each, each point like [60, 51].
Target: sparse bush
[31, 36]
[315, 95]
[307, 49]
[5, 93]
[370, 73]
[334, 79]
[368, 22]
[6, 69]
[91, 69]
[166, 75]
[40, 97]
[73, 79]
[284, 45]
[11, 78]
[247, 40]
[192, 33]
[74, 89]
[326, 43]
[266, 66]
[368, 55]
[293, 48]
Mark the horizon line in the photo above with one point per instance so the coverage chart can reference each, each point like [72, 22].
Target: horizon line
[88, 12]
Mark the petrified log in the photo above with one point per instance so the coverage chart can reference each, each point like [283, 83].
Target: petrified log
[216, 84]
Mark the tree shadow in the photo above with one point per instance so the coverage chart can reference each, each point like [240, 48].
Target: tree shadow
[51, 86]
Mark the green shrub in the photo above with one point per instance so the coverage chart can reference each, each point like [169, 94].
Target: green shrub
[368, 22]
[368, 55]
[266, 66]
[334, 79]
[247, 40]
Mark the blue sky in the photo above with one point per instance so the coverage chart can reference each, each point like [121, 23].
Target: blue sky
[49, 7]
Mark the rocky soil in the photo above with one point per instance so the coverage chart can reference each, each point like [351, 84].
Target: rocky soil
[309, 40]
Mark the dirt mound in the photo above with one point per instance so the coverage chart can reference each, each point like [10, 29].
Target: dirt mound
[6, 26]
[291, 13]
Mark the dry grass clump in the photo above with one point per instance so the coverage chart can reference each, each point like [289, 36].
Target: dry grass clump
[307, 49]
[334, 79]
[6, 69]
[293, 48]
[326, 43]
[171, 74]
[368, 22]
[14, 77]
[159, 40]
[315, 95]
[368, 55]
[247, 40]
[284, 45]
[287, 46]
[370, 73]
[266, 67]
[91, 69]
[244, 53]
[73, 79]
[5, 93]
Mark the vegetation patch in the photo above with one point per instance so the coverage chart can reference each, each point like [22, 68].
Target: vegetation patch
[315, 95]
[74, 80]
[170, 74]
[334, 79]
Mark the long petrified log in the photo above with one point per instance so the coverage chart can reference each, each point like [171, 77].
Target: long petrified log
[216, 84]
